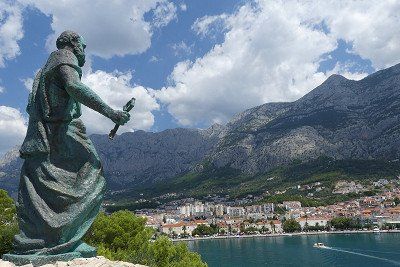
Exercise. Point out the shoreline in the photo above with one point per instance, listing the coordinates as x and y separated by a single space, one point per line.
285 234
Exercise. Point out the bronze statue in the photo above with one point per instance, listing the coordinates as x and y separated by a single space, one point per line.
62 184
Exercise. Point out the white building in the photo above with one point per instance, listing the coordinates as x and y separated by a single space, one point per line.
219 210
291 205
268 208
313 221
195 209
235 211
181 227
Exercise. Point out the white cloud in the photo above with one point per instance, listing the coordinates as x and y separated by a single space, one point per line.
28 82
272 52
115 89
367 25
10 31
12 128
154 59
182 49
266 56
371 26
2 89
163 14
207 26
344 70
110 28
183 7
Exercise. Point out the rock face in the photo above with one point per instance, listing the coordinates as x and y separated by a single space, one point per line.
142 157
137 158
10 167
82 262
341 118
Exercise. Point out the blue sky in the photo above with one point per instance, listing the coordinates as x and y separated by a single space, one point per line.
192 63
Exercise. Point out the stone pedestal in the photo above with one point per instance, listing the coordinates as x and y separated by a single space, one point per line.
80 262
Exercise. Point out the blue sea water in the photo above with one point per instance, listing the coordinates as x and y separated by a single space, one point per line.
344 250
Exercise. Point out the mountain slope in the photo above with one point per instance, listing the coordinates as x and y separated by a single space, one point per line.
340 119
133 159
138 158
10 166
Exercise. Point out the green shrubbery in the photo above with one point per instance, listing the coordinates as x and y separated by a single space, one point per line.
344 223
204 230
228 181
291 225
123 236
8 222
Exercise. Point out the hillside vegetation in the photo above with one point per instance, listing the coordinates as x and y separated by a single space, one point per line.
228 181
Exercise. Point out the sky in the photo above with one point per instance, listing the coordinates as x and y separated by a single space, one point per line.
192 63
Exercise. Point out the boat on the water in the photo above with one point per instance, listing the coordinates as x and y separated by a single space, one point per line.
319 245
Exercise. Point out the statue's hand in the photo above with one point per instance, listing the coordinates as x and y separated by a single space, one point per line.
120 117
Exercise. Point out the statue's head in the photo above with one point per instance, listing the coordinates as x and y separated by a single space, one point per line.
74 42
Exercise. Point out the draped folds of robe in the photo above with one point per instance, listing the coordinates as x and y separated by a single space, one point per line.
61 184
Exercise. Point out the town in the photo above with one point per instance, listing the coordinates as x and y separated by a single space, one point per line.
191 218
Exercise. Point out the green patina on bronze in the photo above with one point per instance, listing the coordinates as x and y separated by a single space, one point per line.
62 184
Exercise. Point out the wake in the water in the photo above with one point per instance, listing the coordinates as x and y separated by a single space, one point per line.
362 254
374 251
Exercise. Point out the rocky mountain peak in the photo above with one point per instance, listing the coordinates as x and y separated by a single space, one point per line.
10 156
215 130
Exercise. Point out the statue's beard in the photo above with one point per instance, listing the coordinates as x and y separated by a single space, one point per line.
80 55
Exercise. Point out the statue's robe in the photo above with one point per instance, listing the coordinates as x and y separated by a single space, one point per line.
61 184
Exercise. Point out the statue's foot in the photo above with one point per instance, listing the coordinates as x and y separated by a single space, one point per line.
85 250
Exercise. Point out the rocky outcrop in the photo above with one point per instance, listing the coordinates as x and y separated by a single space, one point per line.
139 158
81 262
10 166
341 118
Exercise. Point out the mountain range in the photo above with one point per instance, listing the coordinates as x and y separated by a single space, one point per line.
341 119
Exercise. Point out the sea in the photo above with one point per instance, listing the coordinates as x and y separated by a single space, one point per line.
362 249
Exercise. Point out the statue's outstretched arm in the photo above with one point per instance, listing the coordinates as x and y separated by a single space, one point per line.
83 94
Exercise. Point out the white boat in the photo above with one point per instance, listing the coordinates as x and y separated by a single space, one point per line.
376 230
319 245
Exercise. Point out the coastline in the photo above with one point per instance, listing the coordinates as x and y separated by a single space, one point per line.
285 234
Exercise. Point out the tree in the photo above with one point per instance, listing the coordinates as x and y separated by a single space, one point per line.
164 253
124 236
8 222
204 230
214 228
271 223
396 201
250 230
184 229
342 223
242 227
263 229
291 225
306 224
